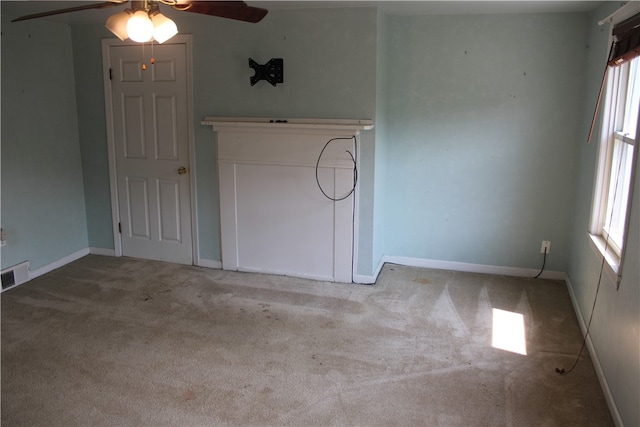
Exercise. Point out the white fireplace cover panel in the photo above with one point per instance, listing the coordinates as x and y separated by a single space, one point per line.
284 225
274 219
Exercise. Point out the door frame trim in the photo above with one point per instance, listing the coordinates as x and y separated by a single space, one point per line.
186 40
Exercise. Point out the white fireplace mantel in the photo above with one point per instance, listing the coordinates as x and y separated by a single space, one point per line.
298 125
273 215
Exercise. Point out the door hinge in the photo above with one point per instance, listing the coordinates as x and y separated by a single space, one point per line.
120 227
110 73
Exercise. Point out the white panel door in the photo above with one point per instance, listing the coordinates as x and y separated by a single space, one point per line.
152 152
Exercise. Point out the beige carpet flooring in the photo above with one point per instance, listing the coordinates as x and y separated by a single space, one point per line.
117 341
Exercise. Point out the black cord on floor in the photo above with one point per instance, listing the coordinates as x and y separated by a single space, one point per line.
544 260
562 371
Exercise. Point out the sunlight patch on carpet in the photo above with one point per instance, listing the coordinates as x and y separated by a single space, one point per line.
508 331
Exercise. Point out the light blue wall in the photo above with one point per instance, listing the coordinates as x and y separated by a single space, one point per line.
484 114
370 158
366 156
467 149
329 64
329 72
615 328
92 130
380 167
42 189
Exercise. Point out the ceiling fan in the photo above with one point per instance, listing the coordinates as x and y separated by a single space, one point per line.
143 22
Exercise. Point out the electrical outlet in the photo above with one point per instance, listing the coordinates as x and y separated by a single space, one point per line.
546 246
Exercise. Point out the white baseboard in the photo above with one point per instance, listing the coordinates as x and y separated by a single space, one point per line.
287 274
363 279
615 414
32 274
209 263
59 263
102 251
473 268
456 266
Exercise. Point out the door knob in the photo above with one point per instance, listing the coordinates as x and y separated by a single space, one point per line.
182 170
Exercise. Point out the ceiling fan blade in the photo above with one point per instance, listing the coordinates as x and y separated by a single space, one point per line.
70 9
238 10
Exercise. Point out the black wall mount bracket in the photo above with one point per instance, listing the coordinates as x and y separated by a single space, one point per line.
272 71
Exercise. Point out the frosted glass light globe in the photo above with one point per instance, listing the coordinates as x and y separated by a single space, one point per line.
117 24
164 28
140 27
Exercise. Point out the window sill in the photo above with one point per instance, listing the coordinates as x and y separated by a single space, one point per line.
612 264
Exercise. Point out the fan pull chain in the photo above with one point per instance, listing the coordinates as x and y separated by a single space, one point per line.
152 60
144 66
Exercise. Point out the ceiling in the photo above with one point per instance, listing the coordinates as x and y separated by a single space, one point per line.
16 8
450 7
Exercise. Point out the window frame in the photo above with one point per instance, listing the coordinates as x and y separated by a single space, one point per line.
614 100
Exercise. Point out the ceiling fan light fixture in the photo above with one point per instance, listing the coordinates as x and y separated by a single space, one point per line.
139 27
163 28
117 24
